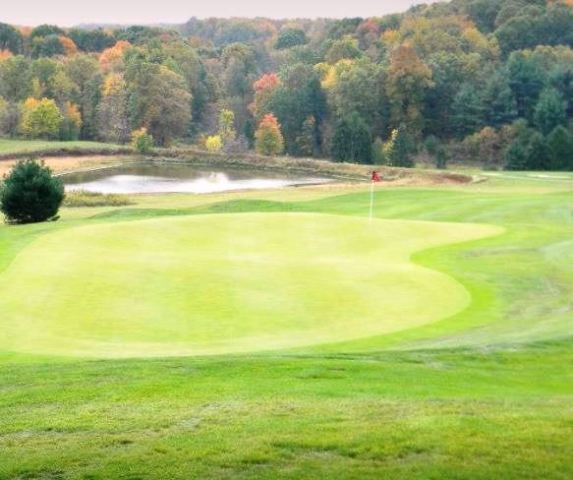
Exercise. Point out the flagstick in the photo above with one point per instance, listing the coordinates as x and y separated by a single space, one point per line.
371 202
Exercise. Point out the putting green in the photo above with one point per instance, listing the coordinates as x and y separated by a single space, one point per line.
224 283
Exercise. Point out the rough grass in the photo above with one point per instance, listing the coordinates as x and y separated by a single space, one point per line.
15 148
82 198
486 393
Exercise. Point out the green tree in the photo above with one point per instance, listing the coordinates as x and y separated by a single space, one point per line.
290 37
49 46
526 80
550 111
298 97
352 140
9 118
95 40
500 106
142 141
402 149
10 39
306 141
30 193
560 144
518 152
227 131
538 154
15 78
344 49
441 157
159 101
86 91
467 111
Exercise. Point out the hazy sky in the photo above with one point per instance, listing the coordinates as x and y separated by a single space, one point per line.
71 12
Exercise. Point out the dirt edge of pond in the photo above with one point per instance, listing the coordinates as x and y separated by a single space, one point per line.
66 161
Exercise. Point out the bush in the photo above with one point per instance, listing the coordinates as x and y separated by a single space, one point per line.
141 141
30 193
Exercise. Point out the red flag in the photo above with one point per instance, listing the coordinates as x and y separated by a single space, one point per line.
376 177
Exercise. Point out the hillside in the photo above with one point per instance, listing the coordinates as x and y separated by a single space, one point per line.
485 82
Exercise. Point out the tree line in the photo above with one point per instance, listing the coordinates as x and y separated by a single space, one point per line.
486 82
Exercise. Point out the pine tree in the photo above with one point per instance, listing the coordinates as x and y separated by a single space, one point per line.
352 140
467 110
306 141
560 143
550 111
499 101
538 157
401 153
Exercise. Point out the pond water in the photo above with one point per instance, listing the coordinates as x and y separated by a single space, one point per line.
161 178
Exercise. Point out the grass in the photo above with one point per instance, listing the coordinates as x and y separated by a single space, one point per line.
305 278
485 392
83 198
19 146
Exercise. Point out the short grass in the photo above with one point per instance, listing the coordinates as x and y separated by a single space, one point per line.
225 283
485 392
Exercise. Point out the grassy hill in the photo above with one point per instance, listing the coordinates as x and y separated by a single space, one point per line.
464 375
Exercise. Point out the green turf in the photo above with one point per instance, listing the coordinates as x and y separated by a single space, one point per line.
225 283
483 393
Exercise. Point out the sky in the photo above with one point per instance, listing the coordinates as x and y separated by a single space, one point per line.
73 12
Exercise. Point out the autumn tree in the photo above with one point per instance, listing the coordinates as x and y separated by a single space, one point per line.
112 110
264 88
71 124
214 143
268 137
41 119
408 81
159 101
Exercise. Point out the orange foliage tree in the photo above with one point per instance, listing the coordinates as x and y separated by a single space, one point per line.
264 88
268 137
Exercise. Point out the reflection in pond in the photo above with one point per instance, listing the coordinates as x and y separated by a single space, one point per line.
159 178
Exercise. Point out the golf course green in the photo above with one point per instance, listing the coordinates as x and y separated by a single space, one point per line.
225 283
284 335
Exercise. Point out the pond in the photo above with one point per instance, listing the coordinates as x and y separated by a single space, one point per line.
161 178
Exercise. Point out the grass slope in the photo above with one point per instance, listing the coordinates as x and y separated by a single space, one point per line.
486 393
18 146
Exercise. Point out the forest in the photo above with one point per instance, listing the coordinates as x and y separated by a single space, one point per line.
484 83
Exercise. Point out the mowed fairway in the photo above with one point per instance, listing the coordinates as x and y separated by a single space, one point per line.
281 335
225 283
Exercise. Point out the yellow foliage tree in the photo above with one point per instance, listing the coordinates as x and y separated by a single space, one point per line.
214 143
41 118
